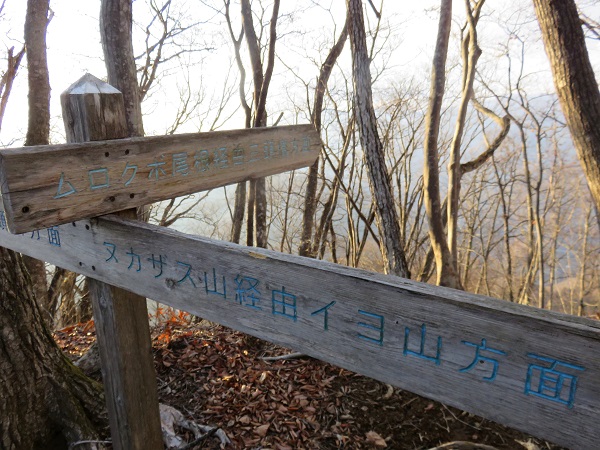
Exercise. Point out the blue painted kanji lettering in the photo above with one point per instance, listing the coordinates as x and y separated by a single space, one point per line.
53 236
284 304
302 146
254 153
246 291
135 260
306 144
187 275
98 178
130 167
215 289
369 326
283 148
555 382
421 353
112 248
60 193
237 155
270 150
35 233
325 311
221 158
2 221
481 359
180 164
156 170
158 264
202 161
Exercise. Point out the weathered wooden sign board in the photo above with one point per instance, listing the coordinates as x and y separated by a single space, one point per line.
48 185
530 369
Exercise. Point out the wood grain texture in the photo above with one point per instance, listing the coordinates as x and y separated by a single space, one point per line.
374 323
121 320
48 185
93 109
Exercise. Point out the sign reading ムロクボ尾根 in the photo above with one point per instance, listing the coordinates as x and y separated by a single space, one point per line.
48 185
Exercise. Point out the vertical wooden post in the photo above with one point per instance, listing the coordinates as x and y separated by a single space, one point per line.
94 110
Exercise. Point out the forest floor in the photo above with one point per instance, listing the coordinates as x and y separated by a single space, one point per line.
216 377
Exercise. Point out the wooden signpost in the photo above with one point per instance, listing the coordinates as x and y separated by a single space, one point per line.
94 110
533 370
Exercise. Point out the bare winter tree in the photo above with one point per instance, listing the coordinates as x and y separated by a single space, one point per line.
575 83
239 210
447 271
116 33
310 205
45 401
8 76
391 242
38 126
262 79
255 115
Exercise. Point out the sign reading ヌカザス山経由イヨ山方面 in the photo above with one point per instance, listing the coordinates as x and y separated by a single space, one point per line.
530 369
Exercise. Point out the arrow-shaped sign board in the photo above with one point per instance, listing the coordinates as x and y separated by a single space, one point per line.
530 369
44 186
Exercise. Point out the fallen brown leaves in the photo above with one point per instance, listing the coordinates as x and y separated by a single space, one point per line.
215 376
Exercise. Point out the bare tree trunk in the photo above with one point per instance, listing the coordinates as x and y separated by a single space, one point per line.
575 82
44 398
260 208
239 207
239 210
13 62
38 126
44 401
115 30
470 56
391 242
250 232
507 231
447 274
310 203
581 310
261 89
36 23
116 23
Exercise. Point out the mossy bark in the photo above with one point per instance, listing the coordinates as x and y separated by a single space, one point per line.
44 398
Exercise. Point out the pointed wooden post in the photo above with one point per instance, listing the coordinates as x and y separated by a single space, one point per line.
94 110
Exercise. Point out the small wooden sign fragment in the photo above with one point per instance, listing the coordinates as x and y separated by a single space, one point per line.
43 186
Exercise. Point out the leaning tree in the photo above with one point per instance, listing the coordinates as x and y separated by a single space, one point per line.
575 83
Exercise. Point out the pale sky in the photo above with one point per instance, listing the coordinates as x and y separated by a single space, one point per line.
74 48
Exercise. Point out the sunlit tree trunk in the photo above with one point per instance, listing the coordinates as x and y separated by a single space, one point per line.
470 56
583 262
38 125
446 271
575 82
